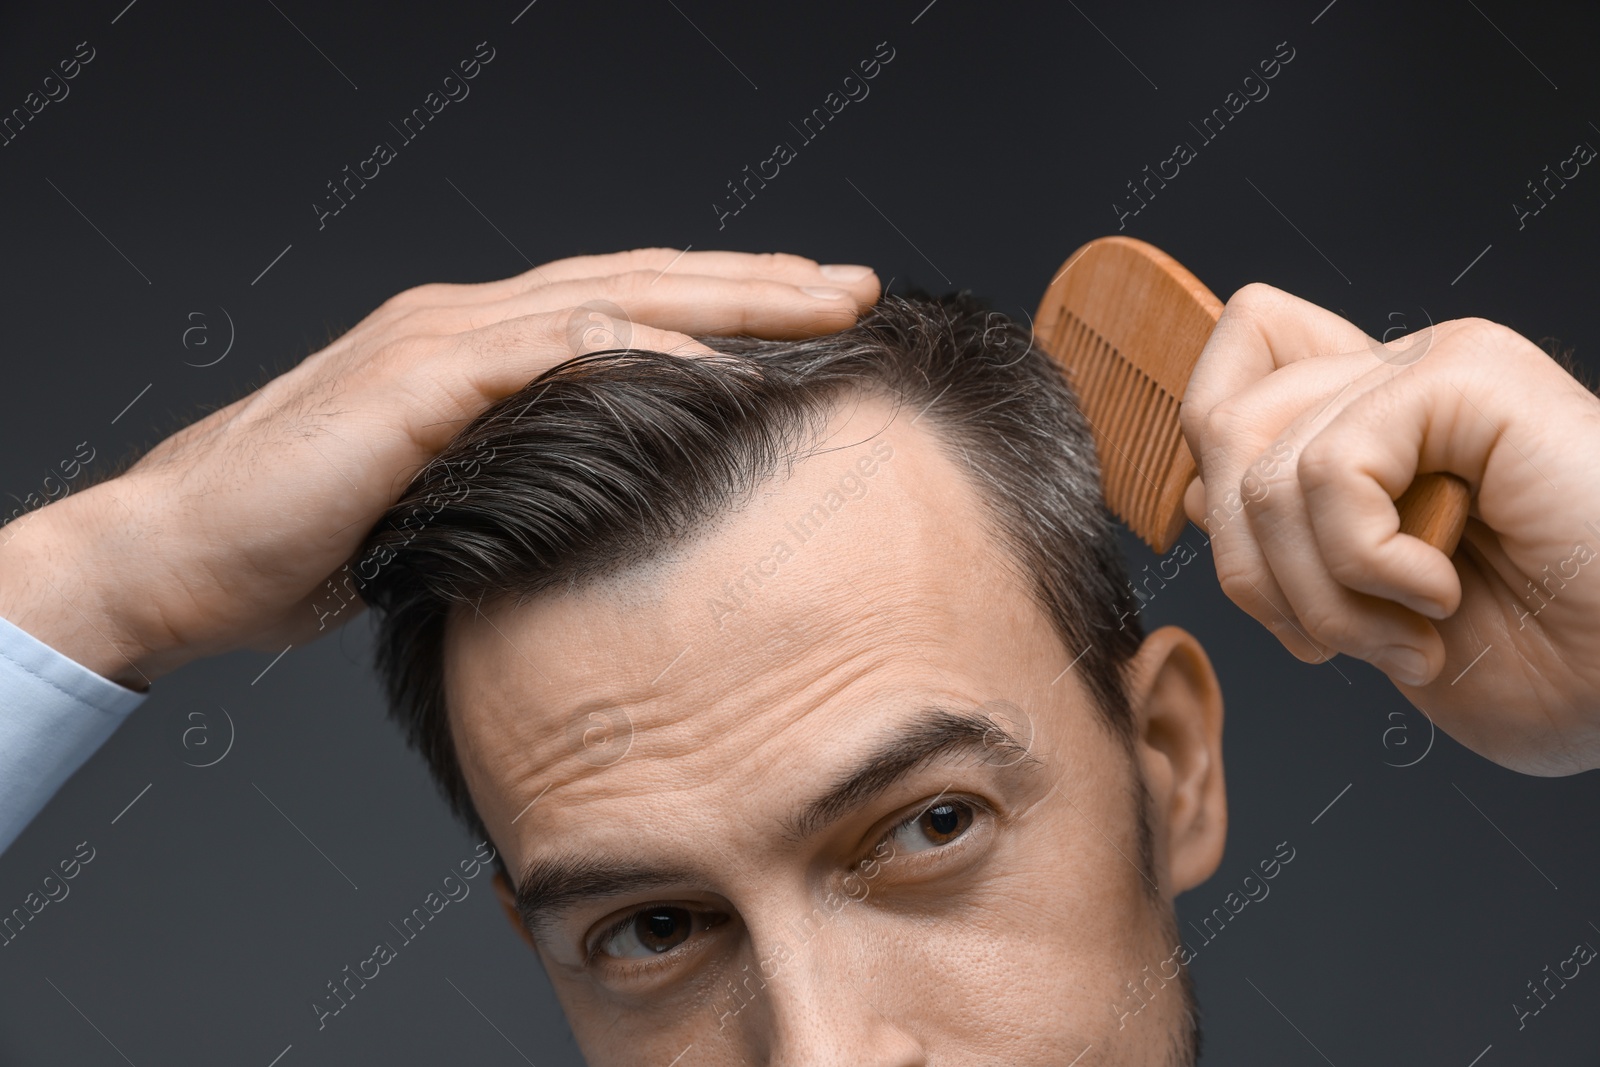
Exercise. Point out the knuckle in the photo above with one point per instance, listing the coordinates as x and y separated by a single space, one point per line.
1264 509
406 351
1485 340
1191 422
1325 622
1228 421
1240 588
1255 296
1319 465
418 296
565 265
1288 634
503 338
778 262
651 259
664 341
1347 568
598 325
399 303
1475 326
432 293
628 283
1275 467
425 319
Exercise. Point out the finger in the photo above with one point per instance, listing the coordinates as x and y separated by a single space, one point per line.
1243 570
456 377
1251 449
1354 470
1261 330
602 333
1399 642
1238 434
771 266
1257 592
684 303
504 357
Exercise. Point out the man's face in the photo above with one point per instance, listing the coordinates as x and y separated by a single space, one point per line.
821 787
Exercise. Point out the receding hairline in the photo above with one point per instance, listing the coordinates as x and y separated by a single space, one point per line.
1004 405
645 582
650 570
999 559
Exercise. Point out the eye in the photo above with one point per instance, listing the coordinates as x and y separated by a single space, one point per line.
653 931
933 827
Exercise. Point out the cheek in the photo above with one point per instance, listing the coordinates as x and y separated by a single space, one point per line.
1028 963
1020 976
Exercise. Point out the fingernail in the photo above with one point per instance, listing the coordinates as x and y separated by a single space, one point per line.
1431 609
845 272
822 292
1404 665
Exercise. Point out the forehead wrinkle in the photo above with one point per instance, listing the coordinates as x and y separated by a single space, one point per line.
741 694
825 654
807 647
708 749
546 886
675 752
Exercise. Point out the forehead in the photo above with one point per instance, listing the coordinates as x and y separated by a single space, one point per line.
864 581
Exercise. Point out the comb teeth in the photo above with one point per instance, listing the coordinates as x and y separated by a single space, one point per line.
1133 419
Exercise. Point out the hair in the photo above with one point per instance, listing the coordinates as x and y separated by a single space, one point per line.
611 458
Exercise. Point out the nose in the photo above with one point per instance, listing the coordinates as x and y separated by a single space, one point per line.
823 1008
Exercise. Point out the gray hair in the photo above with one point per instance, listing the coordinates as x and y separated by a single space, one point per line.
611 458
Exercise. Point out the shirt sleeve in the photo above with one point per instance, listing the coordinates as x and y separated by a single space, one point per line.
54 714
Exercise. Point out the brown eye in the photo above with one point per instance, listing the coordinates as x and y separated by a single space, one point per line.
655 930
662 928
936 826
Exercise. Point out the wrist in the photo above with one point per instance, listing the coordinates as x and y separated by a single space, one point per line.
61 580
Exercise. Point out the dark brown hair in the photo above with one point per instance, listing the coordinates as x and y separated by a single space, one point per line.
609 458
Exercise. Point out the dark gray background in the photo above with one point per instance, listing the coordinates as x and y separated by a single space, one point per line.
187 157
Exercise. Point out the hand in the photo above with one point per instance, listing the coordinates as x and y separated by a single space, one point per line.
222 535
1305 430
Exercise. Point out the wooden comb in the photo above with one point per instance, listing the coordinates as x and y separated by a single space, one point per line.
1128 323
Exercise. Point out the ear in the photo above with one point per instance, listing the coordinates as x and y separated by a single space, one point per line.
1177 712
508 903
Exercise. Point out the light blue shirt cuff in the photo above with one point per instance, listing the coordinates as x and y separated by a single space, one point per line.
54 714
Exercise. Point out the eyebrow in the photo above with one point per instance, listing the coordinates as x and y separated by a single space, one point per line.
549 886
